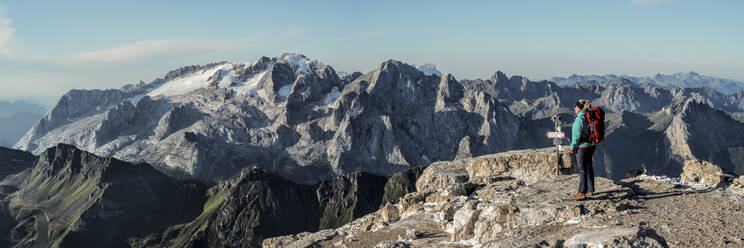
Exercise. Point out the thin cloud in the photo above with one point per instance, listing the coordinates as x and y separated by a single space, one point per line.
294 33
360 35
7 32
647 2
129 52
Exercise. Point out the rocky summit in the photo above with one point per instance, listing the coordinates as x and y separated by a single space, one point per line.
523 199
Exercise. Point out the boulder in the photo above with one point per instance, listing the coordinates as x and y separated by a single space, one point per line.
493 219
367 225
447 211
738 182
439 175
527 165
414 198
302 240
615 237
464 221
389 213
411 234
458 189
392 244
283 241
704 172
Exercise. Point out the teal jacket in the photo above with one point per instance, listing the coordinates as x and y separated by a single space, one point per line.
580 129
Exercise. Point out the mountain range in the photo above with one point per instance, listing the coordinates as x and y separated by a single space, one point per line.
295 116
288 114
676 80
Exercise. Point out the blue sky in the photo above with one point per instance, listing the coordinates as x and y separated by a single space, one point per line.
49 47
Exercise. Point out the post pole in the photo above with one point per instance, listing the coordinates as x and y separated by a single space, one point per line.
558 145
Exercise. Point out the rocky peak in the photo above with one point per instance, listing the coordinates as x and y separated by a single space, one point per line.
351 77
84 198
65 160
253 174
390 73
429 69
499 77
304 65
277 82
449 89
696 105
394 84
699 131
61 156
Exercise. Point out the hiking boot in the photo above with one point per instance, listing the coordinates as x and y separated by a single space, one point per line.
579 196
589 193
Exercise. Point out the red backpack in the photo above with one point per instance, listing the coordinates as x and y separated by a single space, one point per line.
596 119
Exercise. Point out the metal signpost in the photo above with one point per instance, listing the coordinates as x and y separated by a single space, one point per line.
557 137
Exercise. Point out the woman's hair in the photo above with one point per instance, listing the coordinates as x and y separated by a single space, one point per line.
583 104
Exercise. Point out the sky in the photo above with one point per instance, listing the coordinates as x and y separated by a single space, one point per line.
50 47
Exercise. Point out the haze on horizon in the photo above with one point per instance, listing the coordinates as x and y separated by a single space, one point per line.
49 48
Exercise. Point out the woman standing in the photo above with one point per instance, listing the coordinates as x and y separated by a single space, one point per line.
583 149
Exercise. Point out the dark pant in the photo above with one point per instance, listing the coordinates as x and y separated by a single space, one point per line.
586 170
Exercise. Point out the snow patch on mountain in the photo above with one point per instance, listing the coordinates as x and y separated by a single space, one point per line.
135 99
342 74
228 79
249 86
284 91
186 84
332 96
201 79
299 61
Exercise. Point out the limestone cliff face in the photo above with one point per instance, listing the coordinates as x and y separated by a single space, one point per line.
676 138
349 197
397 118
701 132
260 204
